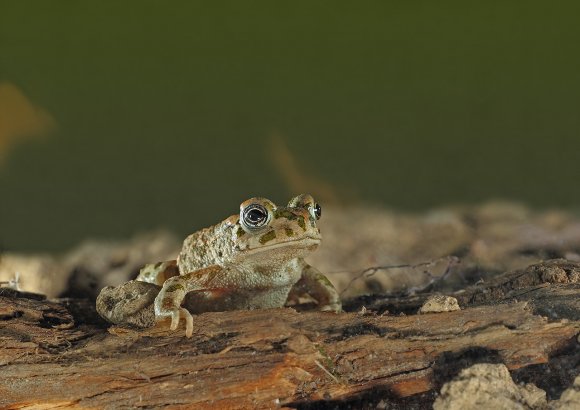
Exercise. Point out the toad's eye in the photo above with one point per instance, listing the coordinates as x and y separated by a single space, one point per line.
255 216
316 211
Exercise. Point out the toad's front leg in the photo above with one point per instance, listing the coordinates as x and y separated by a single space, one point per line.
315 284
168 301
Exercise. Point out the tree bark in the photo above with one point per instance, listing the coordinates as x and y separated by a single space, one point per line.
58 354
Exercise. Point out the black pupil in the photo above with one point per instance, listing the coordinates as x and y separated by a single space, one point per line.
255 215
317 211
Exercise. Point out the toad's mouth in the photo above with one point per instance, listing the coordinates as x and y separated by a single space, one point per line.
304 242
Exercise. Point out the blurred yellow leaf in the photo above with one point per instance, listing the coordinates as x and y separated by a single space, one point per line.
296 178
20 118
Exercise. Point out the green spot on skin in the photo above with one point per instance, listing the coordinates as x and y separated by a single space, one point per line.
267 237
240 232
301 223
325 281
175 287
284 213
289 232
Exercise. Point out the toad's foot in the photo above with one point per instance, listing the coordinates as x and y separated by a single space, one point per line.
168 301
332 307
177 315
315 284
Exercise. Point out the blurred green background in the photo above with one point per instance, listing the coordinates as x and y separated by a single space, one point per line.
166 111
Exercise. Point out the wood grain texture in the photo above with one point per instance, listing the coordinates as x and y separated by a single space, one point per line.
52 356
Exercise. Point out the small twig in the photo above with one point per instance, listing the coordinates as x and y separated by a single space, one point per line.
451 262
368 272
332 376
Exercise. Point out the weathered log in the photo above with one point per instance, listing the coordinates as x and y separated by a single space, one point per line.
262 359
552 288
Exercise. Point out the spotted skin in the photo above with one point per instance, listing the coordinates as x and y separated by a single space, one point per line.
158 273
239 264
